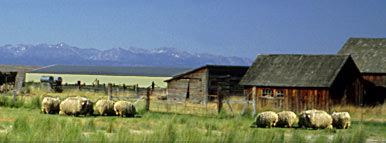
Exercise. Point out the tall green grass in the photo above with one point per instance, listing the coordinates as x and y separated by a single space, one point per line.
33 102
32 126
24 122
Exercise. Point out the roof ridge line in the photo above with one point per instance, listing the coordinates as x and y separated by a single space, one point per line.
340 68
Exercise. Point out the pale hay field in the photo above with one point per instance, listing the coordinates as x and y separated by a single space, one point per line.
142 81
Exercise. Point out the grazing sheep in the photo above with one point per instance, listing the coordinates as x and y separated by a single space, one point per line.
105 107
315 119
50 105
76 106
286 119
265 119
124 108
341 120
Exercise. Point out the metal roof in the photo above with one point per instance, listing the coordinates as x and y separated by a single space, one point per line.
110 70
369 54
294 70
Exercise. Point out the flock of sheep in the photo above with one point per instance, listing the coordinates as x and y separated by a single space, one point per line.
82 106
315 119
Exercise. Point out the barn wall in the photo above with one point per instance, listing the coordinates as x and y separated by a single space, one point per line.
295 99
348 86
377 79
228 79
178 88
375 87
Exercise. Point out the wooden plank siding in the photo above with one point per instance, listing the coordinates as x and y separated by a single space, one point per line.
178 88
204 82
379 80
375 87
226 78
295 99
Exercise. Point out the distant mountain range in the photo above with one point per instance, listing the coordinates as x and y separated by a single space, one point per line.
63 54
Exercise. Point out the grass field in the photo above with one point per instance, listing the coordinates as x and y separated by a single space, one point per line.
142 81
22 121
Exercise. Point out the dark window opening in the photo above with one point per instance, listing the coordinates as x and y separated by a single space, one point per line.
267 92
279 93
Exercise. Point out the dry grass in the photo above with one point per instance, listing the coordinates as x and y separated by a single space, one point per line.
376 113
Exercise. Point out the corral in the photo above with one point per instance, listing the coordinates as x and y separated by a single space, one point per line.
369 55
301 82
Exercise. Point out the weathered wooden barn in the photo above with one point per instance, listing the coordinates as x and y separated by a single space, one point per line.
369 55
300 82
200 84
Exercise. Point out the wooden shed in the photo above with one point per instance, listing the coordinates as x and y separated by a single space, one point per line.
301 82
12 77
200 84
369 55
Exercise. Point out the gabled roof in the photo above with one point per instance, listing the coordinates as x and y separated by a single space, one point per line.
203 67
369 54
108 70
294 70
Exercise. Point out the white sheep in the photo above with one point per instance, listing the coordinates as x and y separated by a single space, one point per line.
286 119
105 107
266 119
50 105
76 106
124 108
315 119
341 120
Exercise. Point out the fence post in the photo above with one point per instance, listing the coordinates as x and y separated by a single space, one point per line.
152 87
246 103
148 99
219 97
79 86
104 88
254 96
136 90
110 88
14 95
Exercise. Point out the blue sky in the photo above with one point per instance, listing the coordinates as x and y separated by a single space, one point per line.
232 28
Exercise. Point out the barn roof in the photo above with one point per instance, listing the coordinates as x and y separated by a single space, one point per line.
294 70
369 54
109 70
205 66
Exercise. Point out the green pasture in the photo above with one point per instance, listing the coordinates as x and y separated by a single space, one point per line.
142 81
23 121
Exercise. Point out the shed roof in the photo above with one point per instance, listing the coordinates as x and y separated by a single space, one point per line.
109 70
369 54
294 70
202 67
